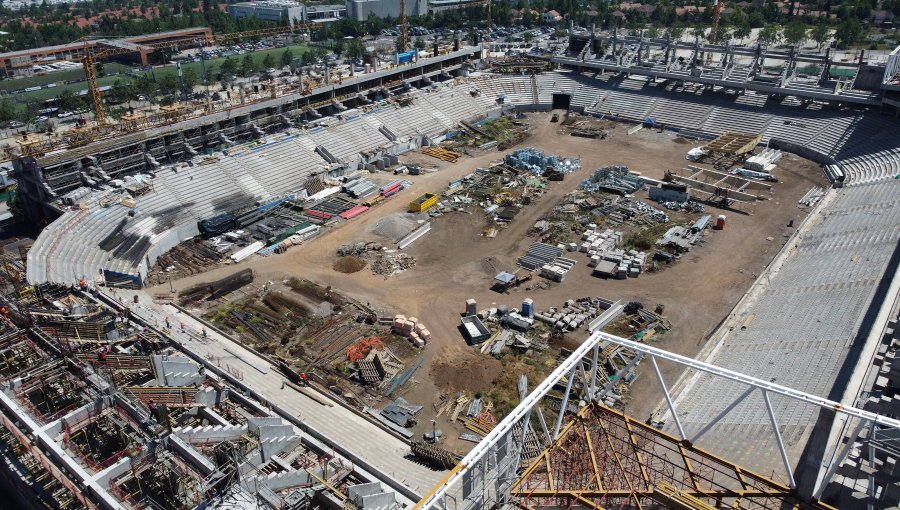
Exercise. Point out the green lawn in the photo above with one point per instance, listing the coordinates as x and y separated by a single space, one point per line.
213 65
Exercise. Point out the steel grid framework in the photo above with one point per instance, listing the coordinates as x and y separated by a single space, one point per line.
490 473
605 459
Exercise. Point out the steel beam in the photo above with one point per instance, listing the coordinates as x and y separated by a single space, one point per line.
564 403
665 390
770 387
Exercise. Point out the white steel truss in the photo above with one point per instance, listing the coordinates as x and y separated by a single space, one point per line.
484 476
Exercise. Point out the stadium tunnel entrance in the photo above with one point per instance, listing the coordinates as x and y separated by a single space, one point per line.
561 101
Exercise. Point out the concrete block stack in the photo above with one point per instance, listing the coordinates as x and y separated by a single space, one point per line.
574 314
602 247
412 329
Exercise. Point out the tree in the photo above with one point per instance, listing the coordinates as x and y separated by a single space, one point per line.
248 66
699 32
848 32
795 32
528 37
820 34
399 44
269 61
355 48
169 84
147 88
338 47
287 56
229 68
419 44
723 33
189 78
770 34
8 111
121 91
742 29
528 18
68 101
653 32
676 31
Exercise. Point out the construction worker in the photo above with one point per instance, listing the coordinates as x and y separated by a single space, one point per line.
168 324
304 379
203 331
181 325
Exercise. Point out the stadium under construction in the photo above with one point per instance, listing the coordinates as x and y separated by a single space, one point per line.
105 404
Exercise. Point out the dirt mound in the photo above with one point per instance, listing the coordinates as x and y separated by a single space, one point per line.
349 264
681 141
466 370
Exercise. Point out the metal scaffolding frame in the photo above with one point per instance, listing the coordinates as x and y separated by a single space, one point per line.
487 475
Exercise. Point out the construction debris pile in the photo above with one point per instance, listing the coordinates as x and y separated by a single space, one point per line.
535 161
585 126
616 179
502 133
389 262
632 211
382 262
474 412
500 192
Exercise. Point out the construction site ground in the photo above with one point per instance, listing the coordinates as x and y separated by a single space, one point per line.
455 262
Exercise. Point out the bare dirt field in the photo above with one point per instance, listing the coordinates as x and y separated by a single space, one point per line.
455 262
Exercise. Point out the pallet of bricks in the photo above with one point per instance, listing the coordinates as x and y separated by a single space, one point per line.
412 329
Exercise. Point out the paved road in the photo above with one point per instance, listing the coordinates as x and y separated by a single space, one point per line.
359 436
